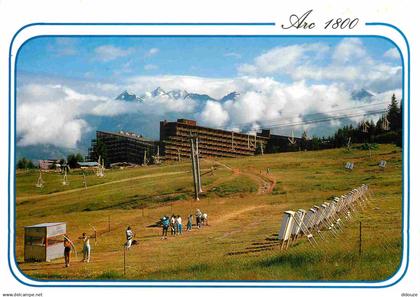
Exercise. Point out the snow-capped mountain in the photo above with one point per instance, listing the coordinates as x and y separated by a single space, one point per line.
126 96
362 94
231 96
178 94
157 92
173 94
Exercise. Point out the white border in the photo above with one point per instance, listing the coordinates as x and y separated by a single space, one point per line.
37 30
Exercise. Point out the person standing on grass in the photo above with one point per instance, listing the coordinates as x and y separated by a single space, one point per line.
129 236
165 226
189 224
179 224
173 225
204 219
198 218
86 247
68 245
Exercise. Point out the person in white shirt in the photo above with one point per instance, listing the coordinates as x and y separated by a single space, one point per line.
179 224
86 247
198 218
129 235
173 225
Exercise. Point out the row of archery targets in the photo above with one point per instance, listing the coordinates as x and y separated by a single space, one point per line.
99 171
320 221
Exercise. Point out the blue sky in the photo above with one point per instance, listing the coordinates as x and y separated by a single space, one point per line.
65 84
75 57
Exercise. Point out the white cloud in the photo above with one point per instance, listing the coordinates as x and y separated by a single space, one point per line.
107 53
392 53
322 79
348 62
282 59
53 114
233 55
214 115
349 49
56 114
261 100
151 52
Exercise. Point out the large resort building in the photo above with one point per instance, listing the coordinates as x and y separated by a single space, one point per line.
175 144
175 141
122 148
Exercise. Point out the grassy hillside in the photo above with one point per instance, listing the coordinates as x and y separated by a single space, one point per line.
245 202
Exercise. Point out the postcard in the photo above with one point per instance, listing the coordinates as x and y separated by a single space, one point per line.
208 146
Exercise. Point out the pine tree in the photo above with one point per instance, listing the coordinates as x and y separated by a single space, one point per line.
24 163
394 115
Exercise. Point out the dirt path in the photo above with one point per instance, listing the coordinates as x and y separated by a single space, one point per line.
266 182
100 185
234 214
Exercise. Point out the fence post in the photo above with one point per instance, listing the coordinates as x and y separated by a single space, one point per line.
124 260
109 223
360 238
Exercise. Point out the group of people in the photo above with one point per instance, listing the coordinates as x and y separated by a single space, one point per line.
174 223
69 245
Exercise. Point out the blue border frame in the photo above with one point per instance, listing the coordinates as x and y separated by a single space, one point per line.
209 281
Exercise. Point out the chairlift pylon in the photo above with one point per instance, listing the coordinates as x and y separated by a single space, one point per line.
101 167
385 124
65 181
365 127
40 181
292 139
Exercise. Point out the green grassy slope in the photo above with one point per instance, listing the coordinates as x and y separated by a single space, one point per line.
244 217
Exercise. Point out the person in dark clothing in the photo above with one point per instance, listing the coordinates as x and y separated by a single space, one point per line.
165 227
68 245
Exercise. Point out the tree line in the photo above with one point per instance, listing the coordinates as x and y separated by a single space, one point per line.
387 129
71 161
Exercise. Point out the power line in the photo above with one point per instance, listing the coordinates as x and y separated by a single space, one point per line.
331 111
326 119
282 123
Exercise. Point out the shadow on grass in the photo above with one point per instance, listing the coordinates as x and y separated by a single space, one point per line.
291 260
111 274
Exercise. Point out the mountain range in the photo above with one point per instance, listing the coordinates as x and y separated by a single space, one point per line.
148 125
173 94
362 94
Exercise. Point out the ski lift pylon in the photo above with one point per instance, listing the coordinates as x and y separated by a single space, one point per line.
292 139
